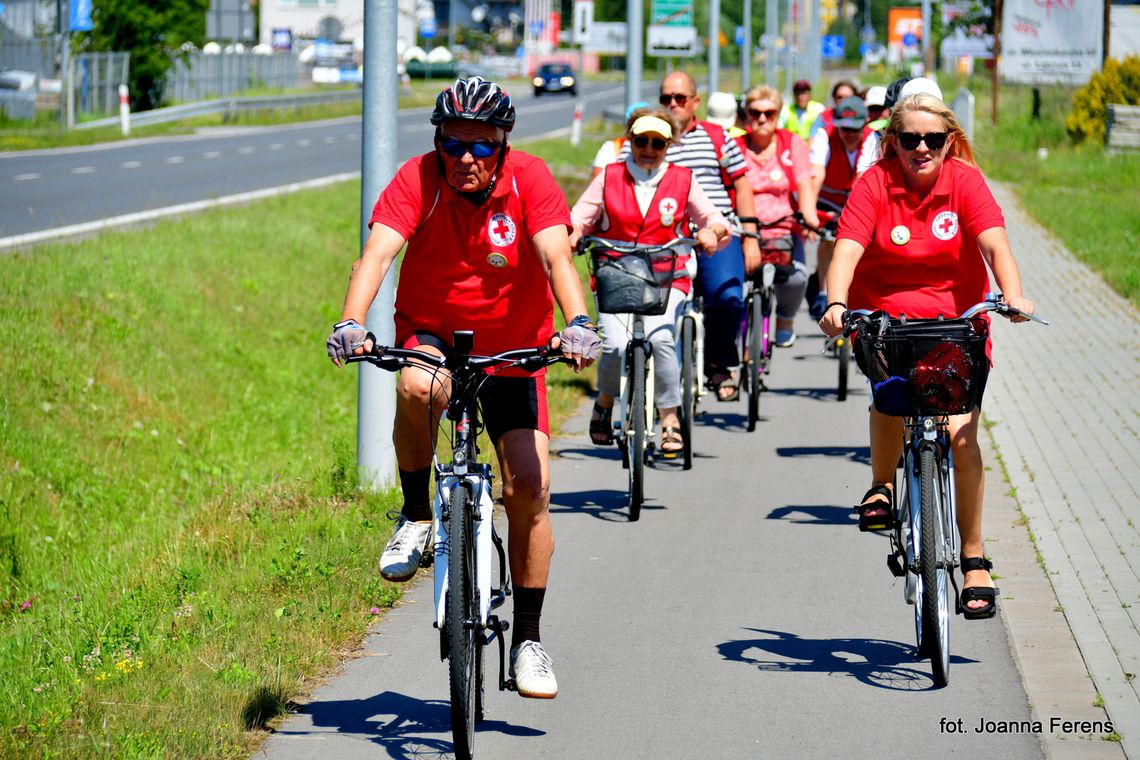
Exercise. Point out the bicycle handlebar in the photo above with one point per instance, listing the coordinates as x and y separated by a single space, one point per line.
826 231
588 242
391 358
854 318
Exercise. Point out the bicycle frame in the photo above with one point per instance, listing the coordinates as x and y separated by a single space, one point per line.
622 430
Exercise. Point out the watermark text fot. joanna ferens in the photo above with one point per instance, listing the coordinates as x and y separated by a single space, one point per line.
1053 725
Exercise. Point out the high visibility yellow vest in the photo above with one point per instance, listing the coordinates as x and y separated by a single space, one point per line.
801 125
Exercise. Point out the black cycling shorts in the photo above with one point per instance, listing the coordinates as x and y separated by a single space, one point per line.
506 403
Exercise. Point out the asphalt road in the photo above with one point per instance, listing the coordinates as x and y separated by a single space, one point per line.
744 616
44 190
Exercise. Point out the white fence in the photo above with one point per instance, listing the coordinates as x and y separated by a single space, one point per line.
201 76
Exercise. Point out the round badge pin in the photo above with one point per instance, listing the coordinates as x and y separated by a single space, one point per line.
900 235
666 220
496 260
775 175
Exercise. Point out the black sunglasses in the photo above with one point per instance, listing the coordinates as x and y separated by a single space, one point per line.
755 113
933 140
453 146
667 99
641 141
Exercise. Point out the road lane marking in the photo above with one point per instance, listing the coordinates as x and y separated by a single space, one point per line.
212 154
141 217
305 142
83 170
130 164
245 151
26 177
329 140
175 160
277 146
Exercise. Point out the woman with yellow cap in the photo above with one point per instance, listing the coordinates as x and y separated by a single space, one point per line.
648 201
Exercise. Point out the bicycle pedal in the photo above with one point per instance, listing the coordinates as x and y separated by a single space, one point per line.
426 559
895 566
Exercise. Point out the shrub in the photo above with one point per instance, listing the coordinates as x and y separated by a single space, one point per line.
1119 82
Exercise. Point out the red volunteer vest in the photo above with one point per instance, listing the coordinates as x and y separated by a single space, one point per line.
784 154
840 177
667 218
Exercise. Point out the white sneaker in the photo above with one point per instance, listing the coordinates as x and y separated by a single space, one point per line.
401 557
531 669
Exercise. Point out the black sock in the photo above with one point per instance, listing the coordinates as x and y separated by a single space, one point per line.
414 484
528 610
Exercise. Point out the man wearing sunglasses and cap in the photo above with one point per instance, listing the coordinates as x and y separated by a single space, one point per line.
488 249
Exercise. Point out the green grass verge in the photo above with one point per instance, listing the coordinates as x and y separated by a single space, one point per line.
183 548
1085 197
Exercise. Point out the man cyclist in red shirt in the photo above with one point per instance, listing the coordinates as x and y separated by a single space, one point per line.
486 230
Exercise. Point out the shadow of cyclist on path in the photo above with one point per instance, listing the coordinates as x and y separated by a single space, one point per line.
857 454
875 662
606 504
404 726
815 514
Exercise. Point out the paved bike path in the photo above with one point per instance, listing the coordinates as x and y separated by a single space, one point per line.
743 616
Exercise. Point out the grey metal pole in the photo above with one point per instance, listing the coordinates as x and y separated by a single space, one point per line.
815 42
635 50
771 33
714 46
451 25
927 43
790 42
61 12
746 48
376 408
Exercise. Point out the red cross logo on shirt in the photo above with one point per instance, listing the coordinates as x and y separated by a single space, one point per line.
501 230
945 225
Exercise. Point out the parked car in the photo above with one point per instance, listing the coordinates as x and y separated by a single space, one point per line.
555 77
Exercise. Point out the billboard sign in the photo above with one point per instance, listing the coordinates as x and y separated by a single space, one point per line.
1050 41
904 31
671 13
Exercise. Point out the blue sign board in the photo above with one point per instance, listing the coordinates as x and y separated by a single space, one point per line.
832 48
80 20
910 39
428 28
739 35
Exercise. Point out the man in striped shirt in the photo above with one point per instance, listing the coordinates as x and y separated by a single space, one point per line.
720 277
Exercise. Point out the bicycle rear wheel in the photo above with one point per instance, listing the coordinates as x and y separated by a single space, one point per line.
637 424
935 576
755 365
688 387
843 351
464 659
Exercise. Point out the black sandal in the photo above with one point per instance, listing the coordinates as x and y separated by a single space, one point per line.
721 380
601 426
671 435
871 522
977 593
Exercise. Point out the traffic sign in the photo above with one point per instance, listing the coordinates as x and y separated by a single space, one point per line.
832 47
671 13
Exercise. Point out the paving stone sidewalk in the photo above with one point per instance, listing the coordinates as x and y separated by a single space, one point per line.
1065 421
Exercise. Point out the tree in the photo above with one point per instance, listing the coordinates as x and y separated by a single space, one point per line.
153 32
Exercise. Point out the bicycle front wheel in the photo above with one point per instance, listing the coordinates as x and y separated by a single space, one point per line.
756 360
637 425
688 387
844 354
935 576
464 662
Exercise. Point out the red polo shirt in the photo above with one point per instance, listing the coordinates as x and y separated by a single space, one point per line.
474 267
921 256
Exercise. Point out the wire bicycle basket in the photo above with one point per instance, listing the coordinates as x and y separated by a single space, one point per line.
926 367
631 281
